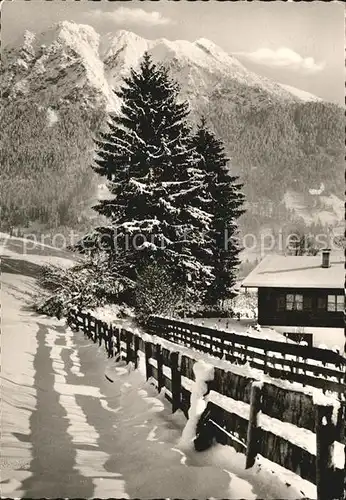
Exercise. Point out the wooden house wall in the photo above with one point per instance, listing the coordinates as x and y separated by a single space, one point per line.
268 313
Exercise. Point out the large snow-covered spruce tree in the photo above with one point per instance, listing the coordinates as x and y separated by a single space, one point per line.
154 176
226 207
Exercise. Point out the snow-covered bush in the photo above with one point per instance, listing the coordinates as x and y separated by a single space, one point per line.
90 283
244 305
157 293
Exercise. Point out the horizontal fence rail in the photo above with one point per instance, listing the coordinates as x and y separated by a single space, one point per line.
285 426
320 368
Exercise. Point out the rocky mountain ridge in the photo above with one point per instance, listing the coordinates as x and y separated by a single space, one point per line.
69 57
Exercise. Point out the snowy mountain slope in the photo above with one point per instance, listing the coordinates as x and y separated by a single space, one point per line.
301 94
75 63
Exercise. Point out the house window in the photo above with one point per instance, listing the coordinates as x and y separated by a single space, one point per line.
294 302
336 303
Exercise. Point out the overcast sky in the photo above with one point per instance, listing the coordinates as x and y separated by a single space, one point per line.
300 44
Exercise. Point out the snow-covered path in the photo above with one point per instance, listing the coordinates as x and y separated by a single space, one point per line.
68 432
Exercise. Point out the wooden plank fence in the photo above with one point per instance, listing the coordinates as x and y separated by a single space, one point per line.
240 411
293 362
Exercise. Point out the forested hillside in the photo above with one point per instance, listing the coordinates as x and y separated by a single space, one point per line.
277 147
45 158
45 164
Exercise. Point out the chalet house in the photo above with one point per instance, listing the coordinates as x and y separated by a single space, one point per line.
302 296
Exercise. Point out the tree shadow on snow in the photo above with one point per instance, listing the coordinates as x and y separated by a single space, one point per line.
18 266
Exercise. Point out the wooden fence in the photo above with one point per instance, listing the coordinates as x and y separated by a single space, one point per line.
284 426
312 366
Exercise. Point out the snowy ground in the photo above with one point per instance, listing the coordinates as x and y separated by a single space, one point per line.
15 250
39 260
68 432
244 327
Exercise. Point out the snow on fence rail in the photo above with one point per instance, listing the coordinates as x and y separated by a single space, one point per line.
320 368
298 431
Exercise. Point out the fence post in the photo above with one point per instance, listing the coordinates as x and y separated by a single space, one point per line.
100 331
69 318
325 437
88 327
232 349
129 338
148 351
96 331
265 366
77 320
339 366
176 382
136 345
245 352
105 336
205 431
119 342
211 343
160 382
84 324
165 329
222 340
110 341
191 338
252 430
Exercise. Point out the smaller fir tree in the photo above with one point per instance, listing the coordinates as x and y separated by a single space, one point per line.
225 206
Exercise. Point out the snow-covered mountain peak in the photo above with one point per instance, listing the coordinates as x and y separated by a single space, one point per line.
163 49
122 50
71 34
218 53
24 47
64 59
205 42
28 37
110 42
27 52
125 49
210 47
127 36
200 56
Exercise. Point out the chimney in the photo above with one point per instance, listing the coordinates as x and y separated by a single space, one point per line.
326 257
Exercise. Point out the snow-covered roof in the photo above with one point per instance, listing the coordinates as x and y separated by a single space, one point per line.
297 272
